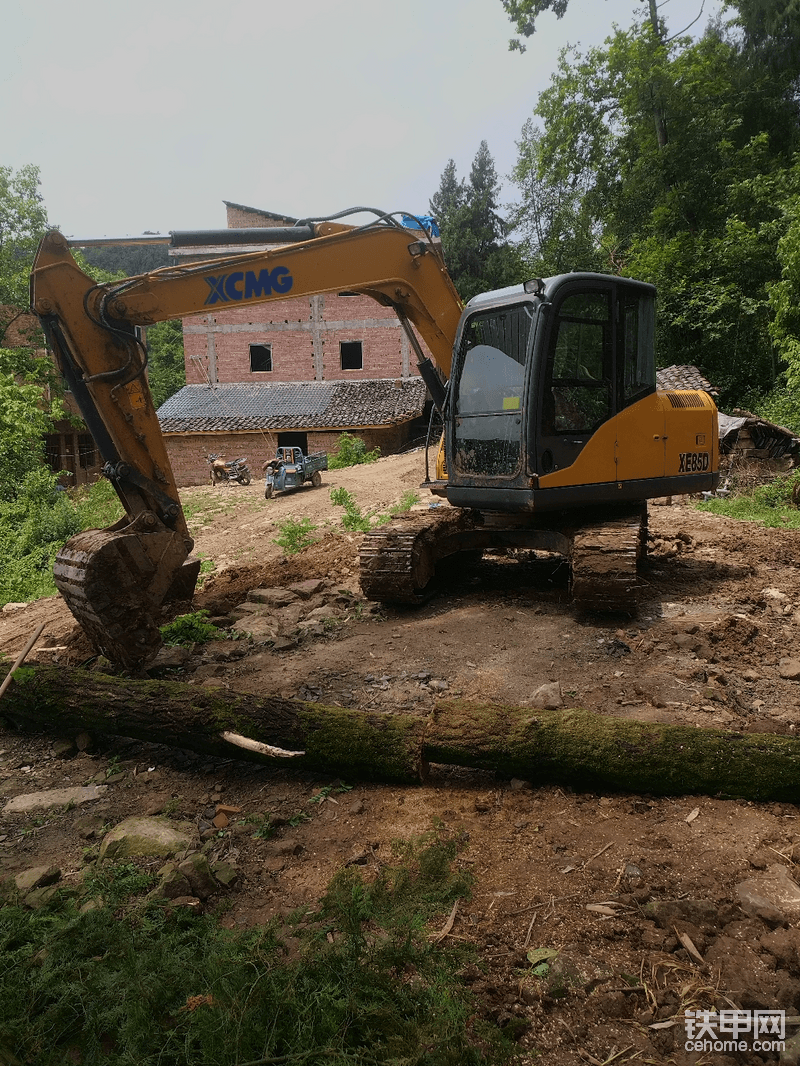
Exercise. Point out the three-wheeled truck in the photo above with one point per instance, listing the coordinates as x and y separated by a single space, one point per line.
290 469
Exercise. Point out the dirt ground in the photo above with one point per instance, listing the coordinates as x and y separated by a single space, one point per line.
615 884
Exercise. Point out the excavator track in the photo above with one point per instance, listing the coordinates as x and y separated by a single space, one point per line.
605 557
398 560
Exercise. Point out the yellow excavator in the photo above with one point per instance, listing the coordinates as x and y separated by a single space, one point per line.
555 434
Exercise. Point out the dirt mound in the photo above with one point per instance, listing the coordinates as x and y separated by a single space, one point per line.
333 555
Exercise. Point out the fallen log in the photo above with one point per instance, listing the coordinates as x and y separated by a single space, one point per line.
574 747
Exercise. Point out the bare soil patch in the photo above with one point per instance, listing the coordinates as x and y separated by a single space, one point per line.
710 646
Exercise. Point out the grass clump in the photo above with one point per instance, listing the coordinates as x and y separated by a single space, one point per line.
354 518
144 984
351 451
295 535
769 505
191 628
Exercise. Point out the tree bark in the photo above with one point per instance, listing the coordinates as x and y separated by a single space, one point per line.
574 747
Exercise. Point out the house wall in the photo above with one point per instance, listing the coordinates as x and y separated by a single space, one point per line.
187 451
304 333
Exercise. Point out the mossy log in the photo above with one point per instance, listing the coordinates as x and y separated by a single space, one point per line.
575 747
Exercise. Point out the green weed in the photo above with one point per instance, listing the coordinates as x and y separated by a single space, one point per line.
191 629
770 505
295 534
133 983
356 521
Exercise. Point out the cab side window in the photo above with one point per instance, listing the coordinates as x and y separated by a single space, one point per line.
578 389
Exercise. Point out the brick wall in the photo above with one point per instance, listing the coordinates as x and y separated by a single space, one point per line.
304 337
187 451
304 334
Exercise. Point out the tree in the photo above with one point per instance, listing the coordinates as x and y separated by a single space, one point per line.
166 367
670 160
23 222
475 242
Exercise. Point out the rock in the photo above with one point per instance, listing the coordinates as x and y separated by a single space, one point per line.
784 946
308 588
517 785
40 897
283 643
157 804
259 628
198 873
88 826
225 874
36 877
172 657
772 896
84 742
140 835
319 614
63 749
272 597
8 608
172 884
789 669
53 797
220 820
668 912
548 696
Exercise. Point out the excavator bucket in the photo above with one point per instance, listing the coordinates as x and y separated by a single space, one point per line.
115 580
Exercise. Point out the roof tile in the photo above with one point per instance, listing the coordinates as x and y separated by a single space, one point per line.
293 405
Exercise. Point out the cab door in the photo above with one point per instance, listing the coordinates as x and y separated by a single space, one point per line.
576 390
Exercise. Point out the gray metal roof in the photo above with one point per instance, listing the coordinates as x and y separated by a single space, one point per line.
293 405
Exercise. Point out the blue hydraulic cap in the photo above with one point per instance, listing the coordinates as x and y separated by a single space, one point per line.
426 222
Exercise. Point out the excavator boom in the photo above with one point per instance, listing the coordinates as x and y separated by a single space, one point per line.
115 580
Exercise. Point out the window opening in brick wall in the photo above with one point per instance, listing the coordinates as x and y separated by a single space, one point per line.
351 355
86 451
260 358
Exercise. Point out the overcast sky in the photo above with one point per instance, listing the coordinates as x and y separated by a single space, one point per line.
147 116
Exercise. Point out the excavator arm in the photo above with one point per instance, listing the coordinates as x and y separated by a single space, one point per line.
115 580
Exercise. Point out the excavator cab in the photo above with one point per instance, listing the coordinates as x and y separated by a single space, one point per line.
546 377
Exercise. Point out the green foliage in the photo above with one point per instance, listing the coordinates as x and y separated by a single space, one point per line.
191 628
671 160
36 522
295 534
781 406
116 883
478 255
131 983
769 505
23 222
351 451
166 368
25 416
356 521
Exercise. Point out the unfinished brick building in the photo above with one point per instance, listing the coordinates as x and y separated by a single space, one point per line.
244 366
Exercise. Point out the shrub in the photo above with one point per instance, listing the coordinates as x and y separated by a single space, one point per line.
351 451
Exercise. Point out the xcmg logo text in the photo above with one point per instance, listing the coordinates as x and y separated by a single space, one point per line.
248 285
